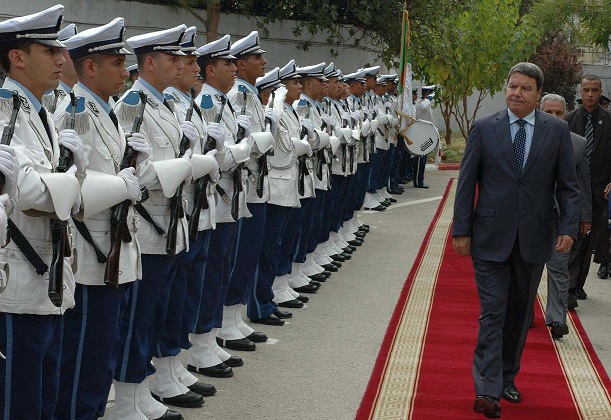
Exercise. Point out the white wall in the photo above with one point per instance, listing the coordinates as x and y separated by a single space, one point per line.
281 45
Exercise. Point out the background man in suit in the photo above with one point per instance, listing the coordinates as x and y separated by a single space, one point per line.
557 267
594 123
519 160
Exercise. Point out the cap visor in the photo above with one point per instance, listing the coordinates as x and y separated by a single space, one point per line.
116 51
50 42
180 53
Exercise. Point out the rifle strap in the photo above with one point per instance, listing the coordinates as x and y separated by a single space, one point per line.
146 216
82 229
26 248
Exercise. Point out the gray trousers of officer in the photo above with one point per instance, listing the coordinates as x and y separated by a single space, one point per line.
557 287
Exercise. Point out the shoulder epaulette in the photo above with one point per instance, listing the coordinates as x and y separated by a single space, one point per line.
206 102
242 88
132 98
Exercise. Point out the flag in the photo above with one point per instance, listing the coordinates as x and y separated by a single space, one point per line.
406 106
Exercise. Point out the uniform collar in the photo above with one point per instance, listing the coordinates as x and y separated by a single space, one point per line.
105 105
158 95
31 98
248 85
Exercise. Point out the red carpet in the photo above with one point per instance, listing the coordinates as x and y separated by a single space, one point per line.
423 370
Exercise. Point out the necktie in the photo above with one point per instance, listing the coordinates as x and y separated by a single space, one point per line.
167 104
43 117
519 144
113 117
197 111
589 135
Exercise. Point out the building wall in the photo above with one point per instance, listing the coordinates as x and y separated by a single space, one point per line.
281 45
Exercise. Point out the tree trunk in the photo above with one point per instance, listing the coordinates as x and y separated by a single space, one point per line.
212 20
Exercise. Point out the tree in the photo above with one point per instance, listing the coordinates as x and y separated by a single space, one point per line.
473 55
560 63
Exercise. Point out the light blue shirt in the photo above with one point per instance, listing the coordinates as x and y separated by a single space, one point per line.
105 105
529 127
160 97
248 86
31 98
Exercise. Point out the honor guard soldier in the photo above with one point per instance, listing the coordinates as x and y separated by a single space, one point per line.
32 305
188 266
266 87
162 233
395 149
90 328
235 334
283 198
232 137
304 138
52 98
381 136
423 112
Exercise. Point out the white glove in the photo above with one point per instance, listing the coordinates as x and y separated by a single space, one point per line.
356 115
330 122
71 141
215 174
4 199
307 124
138 142
244 122
131 181
188 154
218 133
9 166
76 207
346 119
366 114
190 132
273 117
388 106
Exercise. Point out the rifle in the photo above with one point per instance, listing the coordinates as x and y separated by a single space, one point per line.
303 167
59 228
237 173
263 172
200 201
9 130
55 98
176 209
119 231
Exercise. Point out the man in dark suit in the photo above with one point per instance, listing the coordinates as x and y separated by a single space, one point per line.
598 147
518 160
558 266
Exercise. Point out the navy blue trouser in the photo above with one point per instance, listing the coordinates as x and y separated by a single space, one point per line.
141 328
30 374
362 173
216 277
248 248
340 197
351 197
383 168
326 222
283 257
310 242
372 181
188 272
90 329
395 158
260 302
419 166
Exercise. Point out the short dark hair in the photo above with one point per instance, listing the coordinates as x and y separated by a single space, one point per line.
205 62
592 78
5 62
528 69
79 62
141 58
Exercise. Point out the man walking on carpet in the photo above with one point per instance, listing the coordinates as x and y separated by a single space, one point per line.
519 159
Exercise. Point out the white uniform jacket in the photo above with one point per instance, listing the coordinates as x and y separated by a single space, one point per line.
253 109
104 146
26 291
381 134
209 100
182 102
307 106
342 152
162 130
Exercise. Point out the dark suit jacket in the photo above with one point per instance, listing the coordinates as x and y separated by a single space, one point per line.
509 206
600 167
583 177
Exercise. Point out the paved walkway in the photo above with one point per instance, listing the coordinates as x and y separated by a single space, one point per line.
320 362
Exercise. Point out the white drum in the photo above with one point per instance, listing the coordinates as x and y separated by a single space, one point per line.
421 137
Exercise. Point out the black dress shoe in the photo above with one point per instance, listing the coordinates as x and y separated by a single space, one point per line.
282 314
379 207
330 267
318 277
218 371
170 415
352 247
241 344
234 361
315 283
366 226
302 298
295 303
188 400
581 294
359 234
392 200
363 229
257 337
205 390
326 273
269 320
347 251
511 394
571 300
308 288
336 263
421 186
558 329
338 257
346 256
603 272
489 406
395 192
355 242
